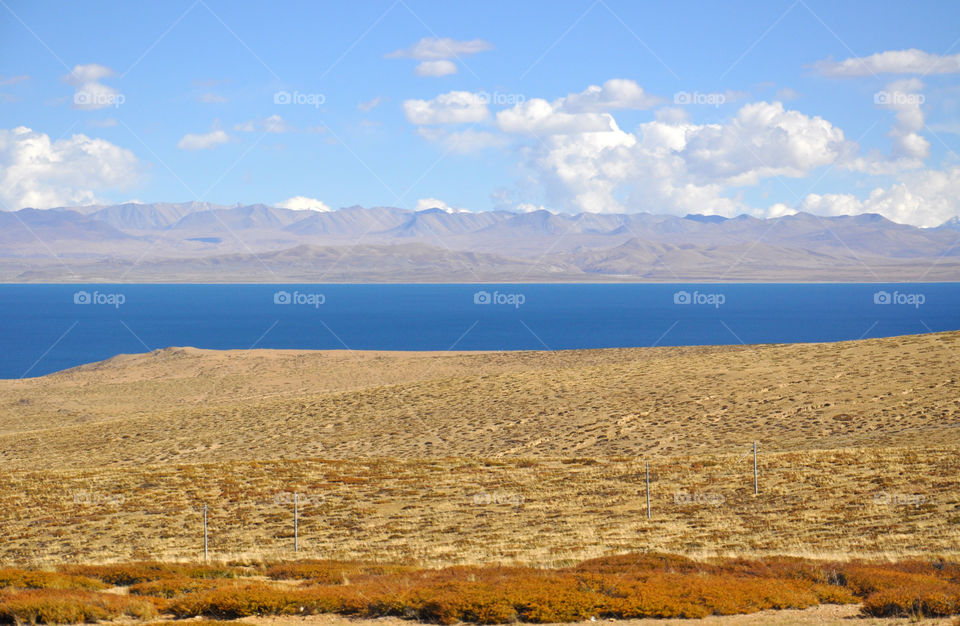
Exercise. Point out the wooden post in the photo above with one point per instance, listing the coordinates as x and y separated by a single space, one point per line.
296 522
206 553
756 485
648 489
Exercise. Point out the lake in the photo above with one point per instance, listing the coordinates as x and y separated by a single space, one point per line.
45 328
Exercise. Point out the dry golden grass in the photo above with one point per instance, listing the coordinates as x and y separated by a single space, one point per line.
191 406
481 458
836 503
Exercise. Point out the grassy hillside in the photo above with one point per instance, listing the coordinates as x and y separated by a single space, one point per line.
191 406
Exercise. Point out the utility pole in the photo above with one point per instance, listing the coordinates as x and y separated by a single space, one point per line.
296 522
206 553
648 489
756 485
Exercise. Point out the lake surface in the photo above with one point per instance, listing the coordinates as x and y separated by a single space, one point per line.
45 328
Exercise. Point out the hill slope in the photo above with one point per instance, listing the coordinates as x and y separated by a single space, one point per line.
191 406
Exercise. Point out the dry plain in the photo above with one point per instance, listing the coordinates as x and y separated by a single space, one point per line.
534 458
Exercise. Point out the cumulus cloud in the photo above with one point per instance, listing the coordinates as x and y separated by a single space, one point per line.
303 203
539 117
910 61
455 107
442 67
203 141
435 54
89 93
924 198
432 203
616 93
582 112
671 164
435 48
909 149
40 173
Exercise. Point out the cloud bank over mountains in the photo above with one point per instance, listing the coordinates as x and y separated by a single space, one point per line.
585 151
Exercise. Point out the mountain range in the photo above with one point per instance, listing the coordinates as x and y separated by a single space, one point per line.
203 242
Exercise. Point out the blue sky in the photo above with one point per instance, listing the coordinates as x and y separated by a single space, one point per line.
761 107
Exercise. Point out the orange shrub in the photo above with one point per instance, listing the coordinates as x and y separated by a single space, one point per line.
172 587
124 574
914 601
38 606
36 579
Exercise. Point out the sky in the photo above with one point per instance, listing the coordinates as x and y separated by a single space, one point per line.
764 108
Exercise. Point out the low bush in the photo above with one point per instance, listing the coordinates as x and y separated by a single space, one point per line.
173 587
37 579
124 574
44 606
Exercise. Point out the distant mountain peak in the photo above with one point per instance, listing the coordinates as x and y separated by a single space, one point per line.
953 223
706 219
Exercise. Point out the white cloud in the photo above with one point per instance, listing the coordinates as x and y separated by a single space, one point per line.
539 117
369 105
909 149
910 61
203 141
303 203
616 93
435 68
40 173
272 124
89 93
455 107
923 198
432 203
434 48
670 164
464 141
527 207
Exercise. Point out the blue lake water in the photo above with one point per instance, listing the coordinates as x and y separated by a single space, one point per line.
44 328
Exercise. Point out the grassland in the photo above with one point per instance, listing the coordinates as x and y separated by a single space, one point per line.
482 459
190 406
